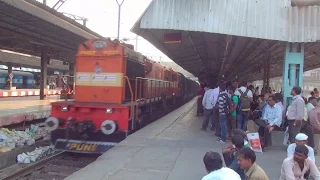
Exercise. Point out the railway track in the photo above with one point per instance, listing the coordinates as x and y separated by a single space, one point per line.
54 167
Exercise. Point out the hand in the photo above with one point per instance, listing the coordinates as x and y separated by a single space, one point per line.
271 129
296 122
229 149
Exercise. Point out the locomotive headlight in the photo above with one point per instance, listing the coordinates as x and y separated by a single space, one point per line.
64 108
108 127
109 110
52 123
99 44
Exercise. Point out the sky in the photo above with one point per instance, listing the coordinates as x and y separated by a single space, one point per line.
103 19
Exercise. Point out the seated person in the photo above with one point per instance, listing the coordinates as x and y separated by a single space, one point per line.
295 167
247 161
301 139
213 164
258 112
240 132
230 154
272 117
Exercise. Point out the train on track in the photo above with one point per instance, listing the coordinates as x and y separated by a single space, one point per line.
117 91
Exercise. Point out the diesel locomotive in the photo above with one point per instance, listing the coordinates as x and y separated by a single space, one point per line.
117 91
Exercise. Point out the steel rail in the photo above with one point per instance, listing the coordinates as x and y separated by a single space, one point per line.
31 167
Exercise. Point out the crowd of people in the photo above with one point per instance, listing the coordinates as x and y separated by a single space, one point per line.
229 107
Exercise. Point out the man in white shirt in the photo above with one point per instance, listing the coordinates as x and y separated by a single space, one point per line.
295 113
242 119
272 117
301 139
216 122
213 164
208 109
312 102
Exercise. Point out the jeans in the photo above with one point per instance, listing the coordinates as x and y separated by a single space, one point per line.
200 107
208 114
242 120
223 127
216 122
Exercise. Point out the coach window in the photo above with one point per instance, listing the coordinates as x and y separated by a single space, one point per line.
174 78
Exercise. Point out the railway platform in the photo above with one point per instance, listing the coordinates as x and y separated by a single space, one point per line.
171 148
27 92
14 110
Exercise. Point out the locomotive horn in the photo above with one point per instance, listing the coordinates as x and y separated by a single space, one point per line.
108 127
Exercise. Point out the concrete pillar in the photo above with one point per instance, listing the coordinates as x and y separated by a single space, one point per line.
43 73
292 70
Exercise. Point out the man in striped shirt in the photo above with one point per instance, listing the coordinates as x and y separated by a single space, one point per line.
223 105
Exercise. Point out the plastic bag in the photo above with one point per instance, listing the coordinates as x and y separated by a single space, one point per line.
286 137
255 142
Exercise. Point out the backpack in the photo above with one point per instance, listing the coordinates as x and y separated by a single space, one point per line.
245 100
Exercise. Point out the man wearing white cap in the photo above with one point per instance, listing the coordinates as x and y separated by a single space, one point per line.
301 139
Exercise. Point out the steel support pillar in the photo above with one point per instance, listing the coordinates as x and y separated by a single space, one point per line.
266 75
43 73
292 70
9 72
72 68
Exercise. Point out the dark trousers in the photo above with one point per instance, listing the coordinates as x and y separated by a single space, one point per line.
264 133
199 106
232 124
308 130
216 122
293 130
208 114
228 158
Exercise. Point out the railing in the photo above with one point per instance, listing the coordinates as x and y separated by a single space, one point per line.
132 104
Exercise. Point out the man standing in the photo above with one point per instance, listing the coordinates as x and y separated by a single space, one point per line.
223 105
295 167
295 113
314 117
271 117
312 103
232 122
246 160
246 98
208 109
214 101
301 139
199 102
213 164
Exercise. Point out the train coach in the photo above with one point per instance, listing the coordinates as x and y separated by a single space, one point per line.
117 91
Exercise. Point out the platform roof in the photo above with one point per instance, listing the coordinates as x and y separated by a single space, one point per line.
232 37
17 60
25 25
